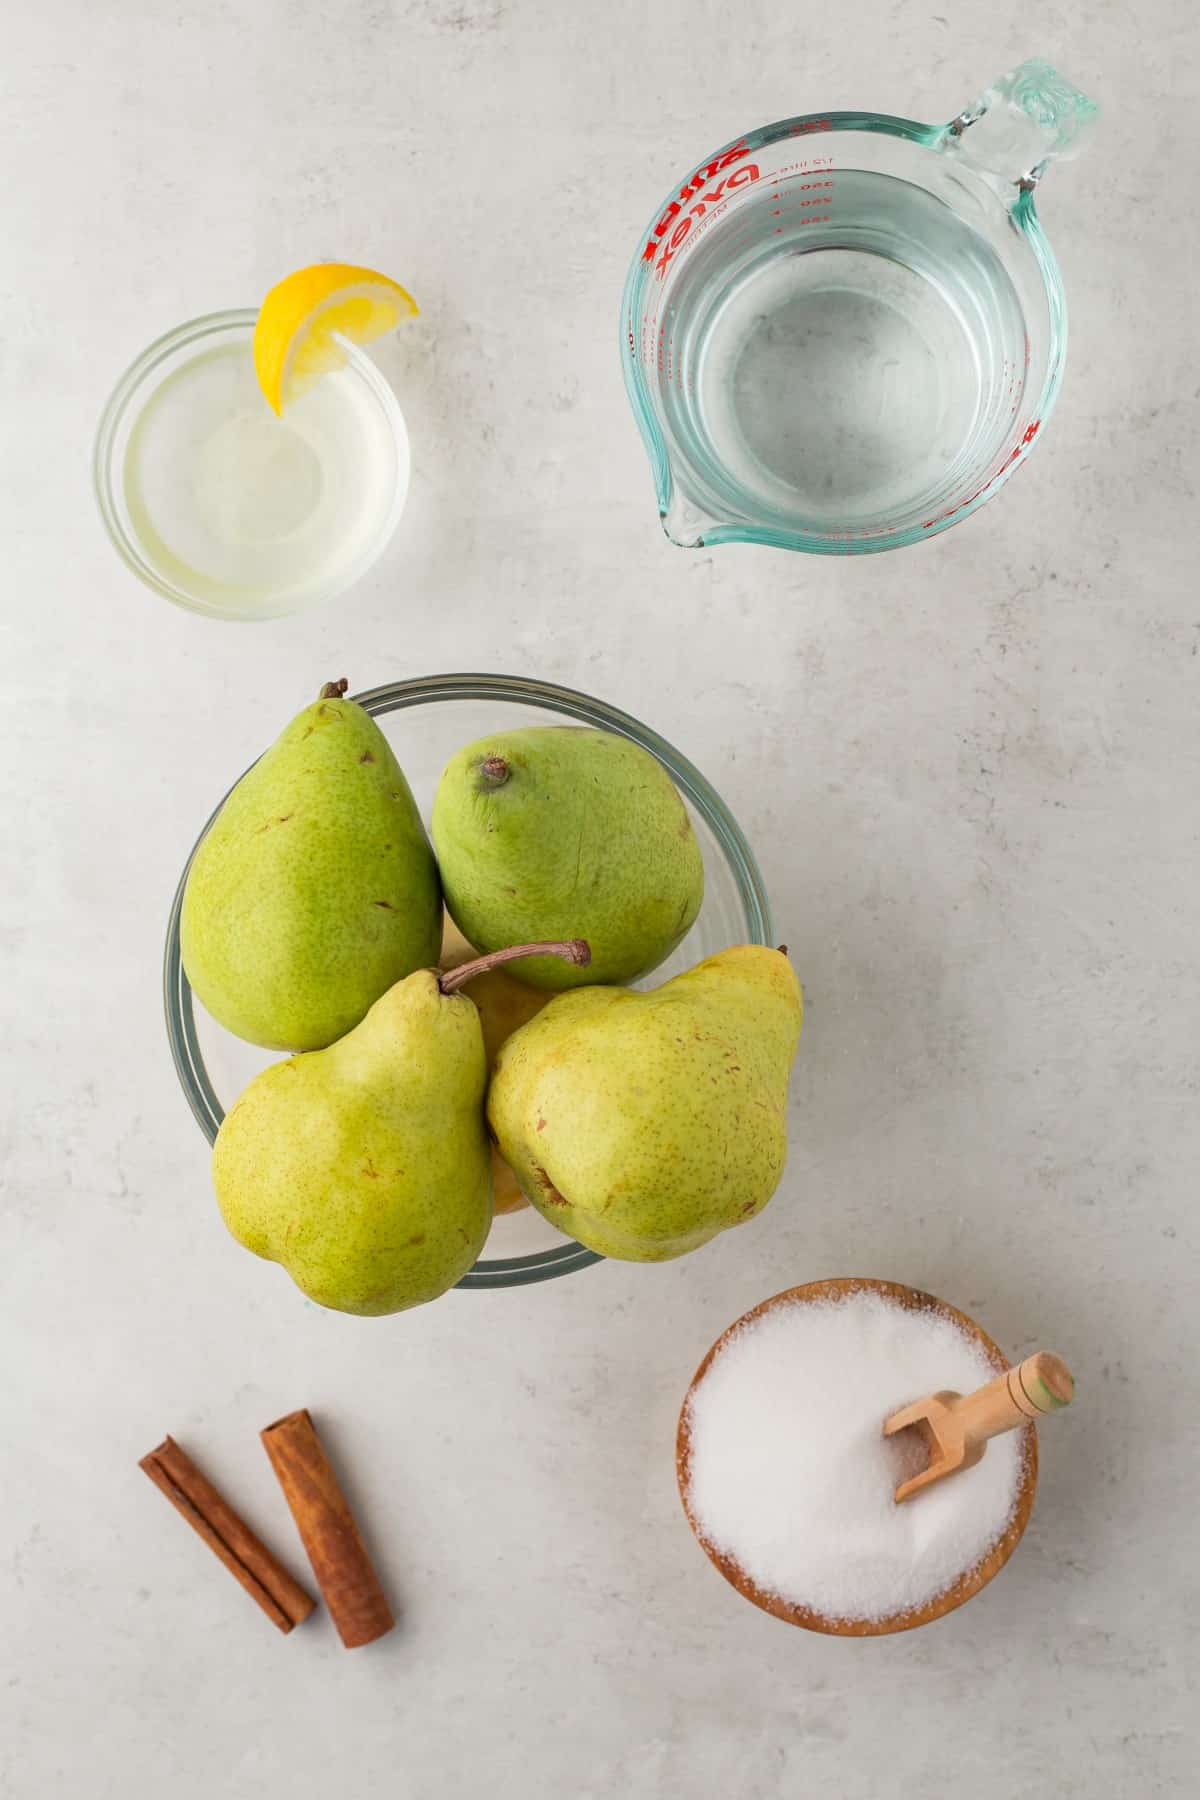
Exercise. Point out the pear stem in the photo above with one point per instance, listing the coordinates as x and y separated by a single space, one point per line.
572 950
333 690
493 771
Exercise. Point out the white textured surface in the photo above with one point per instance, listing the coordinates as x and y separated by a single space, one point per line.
970 771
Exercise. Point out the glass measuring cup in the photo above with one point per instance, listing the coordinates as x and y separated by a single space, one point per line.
843 332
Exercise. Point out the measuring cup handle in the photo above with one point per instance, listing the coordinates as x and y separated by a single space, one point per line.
1023 122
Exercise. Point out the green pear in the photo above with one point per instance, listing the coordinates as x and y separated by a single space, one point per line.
559 831
315 888
643 1124
364 1169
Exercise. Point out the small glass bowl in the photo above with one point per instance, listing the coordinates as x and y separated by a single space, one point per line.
432 719
133 395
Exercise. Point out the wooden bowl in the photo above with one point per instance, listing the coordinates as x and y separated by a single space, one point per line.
960 1591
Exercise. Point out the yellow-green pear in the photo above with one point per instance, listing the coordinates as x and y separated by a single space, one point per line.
643 1124
315 888
557 831
364 1168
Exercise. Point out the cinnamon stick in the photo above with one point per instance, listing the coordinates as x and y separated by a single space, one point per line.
339 1559
245 1556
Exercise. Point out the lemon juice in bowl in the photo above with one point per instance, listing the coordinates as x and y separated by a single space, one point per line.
252 464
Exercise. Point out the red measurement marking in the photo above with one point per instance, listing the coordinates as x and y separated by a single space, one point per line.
1027 438
806 165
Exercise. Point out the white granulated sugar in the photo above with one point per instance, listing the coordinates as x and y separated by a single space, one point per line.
790 1473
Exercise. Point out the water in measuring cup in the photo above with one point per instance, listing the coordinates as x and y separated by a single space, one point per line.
846 352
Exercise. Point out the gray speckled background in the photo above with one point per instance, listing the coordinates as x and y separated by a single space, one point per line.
970 772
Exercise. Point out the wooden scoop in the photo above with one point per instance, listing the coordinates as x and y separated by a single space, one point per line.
958 1426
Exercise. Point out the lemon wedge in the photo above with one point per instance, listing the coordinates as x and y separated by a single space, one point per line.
294 338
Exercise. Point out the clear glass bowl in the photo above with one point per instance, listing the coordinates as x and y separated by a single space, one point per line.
224 509
425 722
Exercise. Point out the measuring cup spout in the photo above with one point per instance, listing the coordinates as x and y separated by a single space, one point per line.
684 522
1018 126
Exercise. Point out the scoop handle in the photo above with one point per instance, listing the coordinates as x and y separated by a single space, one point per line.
1041 1384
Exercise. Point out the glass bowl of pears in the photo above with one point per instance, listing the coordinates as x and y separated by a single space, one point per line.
360 902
